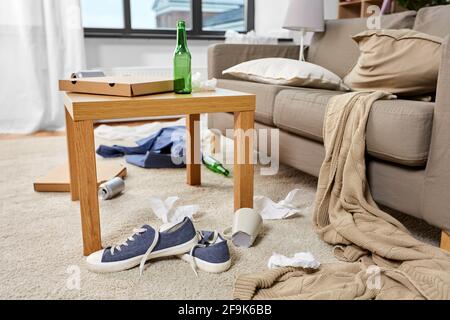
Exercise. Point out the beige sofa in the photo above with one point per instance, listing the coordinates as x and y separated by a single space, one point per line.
408 142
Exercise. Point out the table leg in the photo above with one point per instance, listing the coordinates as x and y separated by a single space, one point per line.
243 162
445 241
193 152
73 169
87 175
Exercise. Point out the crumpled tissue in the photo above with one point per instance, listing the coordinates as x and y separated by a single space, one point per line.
250 37
294 203
168 213
301 259
207 85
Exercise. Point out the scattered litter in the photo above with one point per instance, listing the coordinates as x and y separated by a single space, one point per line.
111 188
105 131
300 259
247 225
250 37
214 165
168 213
207 85
163 149
292 205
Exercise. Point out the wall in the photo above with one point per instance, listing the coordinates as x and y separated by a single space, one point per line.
267 22
108 53
331 9
152 53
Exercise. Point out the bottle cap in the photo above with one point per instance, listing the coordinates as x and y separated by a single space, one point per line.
181 24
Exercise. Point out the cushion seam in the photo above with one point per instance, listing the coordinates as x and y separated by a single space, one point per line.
423 155
300 130
398 39
287 79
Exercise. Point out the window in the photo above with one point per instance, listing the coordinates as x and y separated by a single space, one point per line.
159 14
223 15
97 15
207 19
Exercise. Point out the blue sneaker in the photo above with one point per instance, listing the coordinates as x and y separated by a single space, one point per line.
209 254
145 244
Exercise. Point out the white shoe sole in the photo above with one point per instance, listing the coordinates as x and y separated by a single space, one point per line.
207 266
94 260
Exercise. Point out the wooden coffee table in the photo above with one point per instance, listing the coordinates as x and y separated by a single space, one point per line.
83 109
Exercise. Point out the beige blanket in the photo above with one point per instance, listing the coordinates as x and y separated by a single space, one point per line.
383 261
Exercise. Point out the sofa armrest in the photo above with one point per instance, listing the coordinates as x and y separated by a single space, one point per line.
223 56
437 181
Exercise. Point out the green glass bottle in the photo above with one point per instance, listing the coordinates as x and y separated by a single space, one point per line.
182 62
215 166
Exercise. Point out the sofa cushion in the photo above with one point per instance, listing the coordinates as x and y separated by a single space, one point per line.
265 96
222 56
433 20
397 130
404 62
287 72
335 50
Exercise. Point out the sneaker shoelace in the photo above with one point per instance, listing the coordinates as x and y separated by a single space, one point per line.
149 250
202 244
136 232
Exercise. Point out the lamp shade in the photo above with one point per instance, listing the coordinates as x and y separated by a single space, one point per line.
306 15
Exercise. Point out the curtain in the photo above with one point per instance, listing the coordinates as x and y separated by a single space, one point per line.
41 41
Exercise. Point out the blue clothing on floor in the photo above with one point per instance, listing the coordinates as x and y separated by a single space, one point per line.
163 149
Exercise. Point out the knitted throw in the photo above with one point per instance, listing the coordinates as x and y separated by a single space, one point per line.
381 259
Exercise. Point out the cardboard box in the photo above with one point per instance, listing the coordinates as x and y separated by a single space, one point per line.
58 180
124 86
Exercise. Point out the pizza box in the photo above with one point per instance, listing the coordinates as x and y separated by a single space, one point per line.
124 86
58 179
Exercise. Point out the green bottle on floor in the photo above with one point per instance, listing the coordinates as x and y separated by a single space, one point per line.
182 62
215 166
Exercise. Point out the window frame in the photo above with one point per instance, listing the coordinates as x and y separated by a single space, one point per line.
196 32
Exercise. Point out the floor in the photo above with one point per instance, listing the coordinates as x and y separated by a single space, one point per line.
38 134
40 236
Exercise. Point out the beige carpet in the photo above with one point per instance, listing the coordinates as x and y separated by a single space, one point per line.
40 237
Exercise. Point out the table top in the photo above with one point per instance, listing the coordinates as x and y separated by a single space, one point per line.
101 107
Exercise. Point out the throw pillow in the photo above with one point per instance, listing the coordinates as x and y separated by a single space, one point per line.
289 72
404 62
